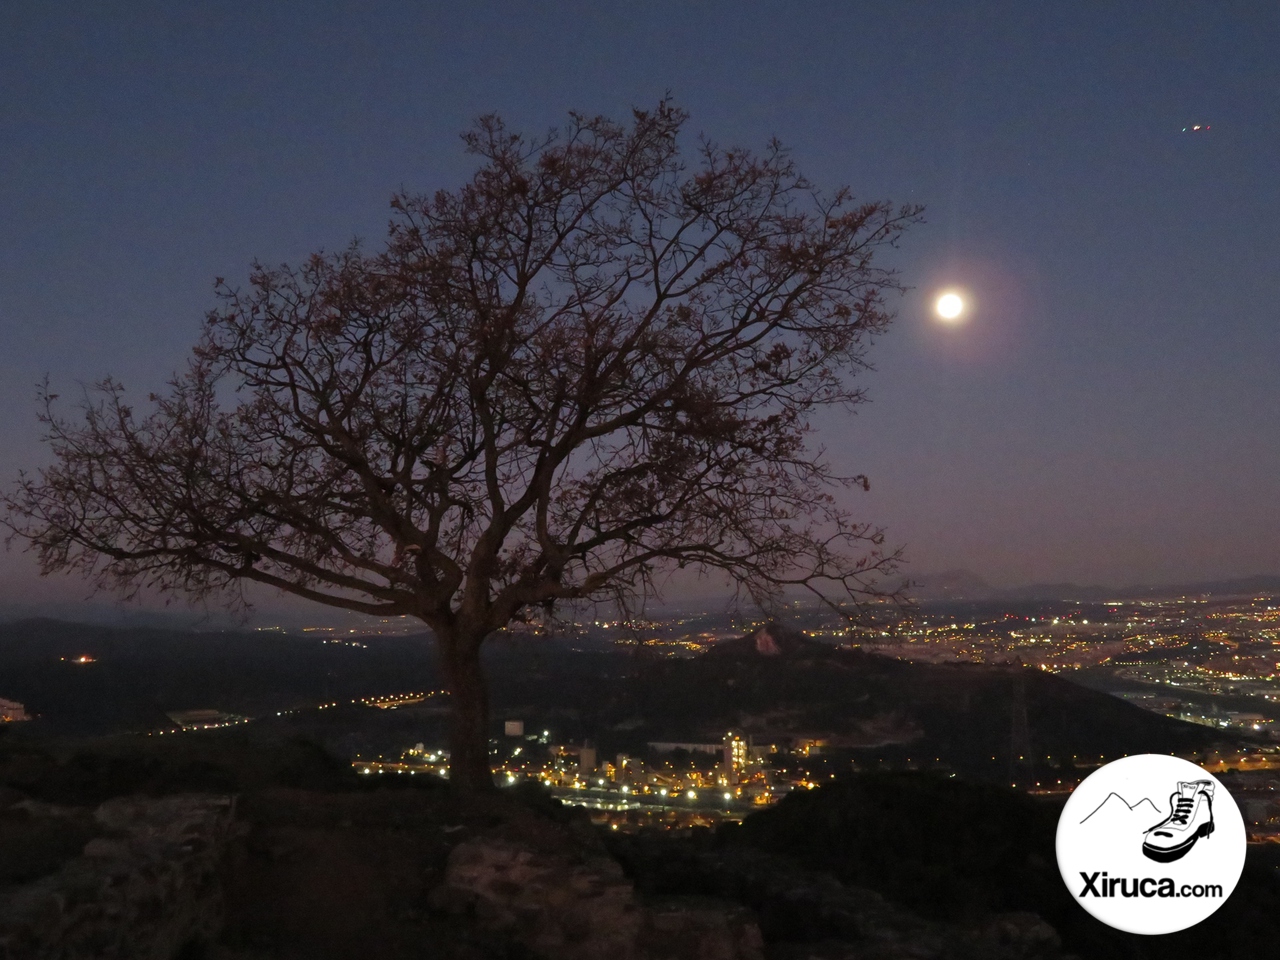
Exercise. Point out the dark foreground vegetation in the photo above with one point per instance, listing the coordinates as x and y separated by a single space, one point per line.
955 851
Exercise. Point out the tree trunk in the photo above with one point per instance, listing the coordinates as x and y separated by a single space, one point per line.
469 769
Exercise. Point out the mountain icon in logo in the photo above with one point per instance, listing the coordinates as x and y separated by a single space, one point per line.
1117 810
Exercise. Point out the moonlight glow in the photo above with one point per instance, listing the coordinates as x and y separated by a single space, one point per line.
949 306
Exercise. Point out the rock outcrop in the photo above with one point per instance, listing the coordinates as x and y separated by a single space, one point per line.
571 900
142 889
143 879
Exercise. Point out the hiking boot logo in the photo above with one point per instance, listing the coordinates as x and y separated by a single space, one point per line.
1126 856
1190 818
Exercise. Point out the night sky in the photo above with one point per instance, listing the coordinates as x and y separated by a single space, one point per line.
1109 411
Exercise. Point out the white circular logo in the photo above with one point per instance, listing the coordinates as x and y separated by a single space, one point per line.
1151 844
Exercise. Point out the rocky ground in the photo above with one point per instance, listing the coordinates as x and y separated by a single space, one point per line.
285 872
145 884
213 851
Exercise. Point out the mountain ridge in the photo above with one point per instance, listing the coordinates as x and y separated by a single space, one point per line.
1129 807
961 584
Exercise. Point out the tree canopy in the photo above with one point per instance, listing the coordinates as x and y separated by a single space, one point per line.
594 362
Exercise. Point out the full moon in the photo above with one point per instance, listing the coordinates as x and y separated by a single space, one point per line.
949 306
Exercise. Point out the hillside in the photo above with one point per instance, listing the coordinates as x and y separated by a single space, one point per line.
778 686
863 705
134 676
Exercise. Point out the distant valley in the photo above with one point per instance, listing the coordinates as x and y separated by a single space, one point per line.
857 708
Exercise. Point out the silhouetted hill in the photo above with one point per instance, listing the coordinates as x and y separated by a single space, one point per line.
862 705
951 585
771 640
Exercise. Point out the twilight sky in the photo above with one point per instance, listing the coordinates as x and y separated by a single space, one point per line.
1110 411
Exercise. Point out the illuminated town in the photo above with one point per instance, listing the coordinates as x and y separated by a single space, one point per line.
1209 661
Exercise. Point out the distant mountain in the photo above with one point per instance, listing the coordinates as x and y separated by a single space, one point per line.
122 615
967 585
1068 591
952 585
1117 810
287 616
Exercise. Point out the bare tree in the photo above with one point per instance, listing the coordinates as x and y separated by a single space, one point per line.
589 365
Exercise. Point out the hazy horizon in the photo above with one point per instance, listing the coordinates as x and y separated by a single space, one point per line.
292 613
